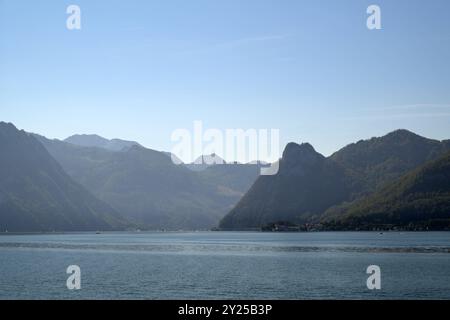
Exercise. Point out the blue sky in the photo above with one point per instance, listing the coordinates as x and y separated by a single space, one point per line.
139 70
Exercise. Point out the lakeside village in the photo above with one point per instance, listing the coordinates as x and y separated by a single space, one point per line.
283 226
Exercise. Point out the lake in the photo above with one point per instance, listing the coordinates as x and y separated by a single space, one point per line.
226 265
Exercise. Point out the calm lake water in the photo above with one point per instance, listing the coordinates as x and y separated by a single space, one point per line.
226 265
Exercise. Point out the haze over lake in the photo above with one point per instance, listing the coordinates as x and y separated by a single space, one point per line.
226 265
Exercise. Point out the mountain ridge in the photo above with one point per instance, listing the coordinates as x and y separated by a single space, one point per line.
37 195
146 187
420 198
150 191
308 182
94 140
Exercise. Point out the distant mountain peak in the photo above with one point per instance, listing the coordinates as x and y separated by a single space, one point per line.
300 151
403 134
86 140
96 136
7 126
211 159
94 140
3 123
299 157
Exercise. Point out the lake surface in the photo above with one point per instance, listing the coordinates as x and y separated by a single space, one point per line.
226 265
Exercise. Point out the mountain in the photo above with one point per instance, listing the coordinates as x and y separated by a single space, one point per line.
417 200
93 140
146 187
37 195
377 161
205 161
345 190
306 185
309 184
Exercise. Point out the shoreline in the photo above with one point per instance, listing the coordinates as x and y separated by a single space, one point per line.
217 231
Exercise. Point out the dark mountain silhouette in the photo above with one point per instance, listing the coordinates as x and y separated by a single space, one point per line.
419 199
309 184
37 195
377 161
93 140
305 186
146 187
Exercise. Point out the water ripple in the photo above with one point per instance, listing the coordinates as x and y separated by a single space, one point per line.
224 248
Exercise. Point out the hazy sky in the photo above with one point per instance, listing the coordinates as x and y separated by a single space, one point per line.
141 69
